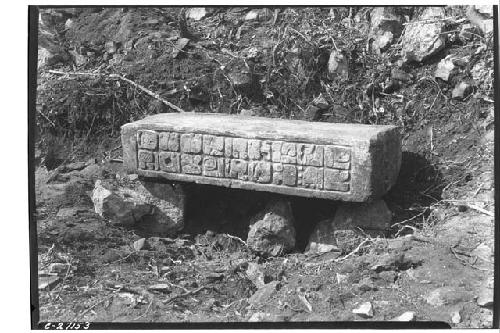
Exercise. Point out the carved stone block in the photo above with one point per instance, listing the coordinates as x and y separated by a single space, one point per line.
337 157
146 160
289 175
213 145
169 141
336 180
213 166
259 172
289 152
310 154
191 143
236 168
169 162
312 177
191 164
347 162
148 140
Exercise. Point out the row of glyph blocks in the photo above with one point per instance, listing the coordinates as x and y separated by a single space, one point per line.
337 161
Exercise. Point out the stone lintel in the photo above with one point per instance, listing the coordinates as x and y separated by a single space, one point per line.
349 162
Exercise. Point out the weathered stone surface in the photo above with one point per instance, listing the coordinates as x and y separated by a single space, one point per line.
158 207
365 310
385 27
444 69
272 231
347 162
407 316
338 65
111 206
424 37
461 90
342 234
485 297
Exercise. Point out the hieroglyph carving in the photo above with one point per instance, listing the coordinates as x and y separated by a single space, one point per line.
281 163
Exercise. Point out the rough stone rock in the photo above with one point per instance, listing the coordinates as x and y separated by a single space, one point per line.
455 317
69 211
255 274
196 13
447 295
47 282
111 47
366 284
338 65
485 297
348 162
424 39
266 317
461 90
483 252
162 203
264 293
365 310
468 31
483 22
272 231
407 316
485 10
179 46
400 75
321 102
394 261
111 206
385 27
342 234
78 59
261 14
444 69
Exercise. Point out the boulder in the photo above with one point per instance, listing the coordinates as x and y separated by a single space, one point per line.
338 65
447 295
485 297
365 310
118 209
480 18
468 31
385 27
267 317
423 37
342 234
272 231
407 316
444 69
262 295
461 91
157 207
196 13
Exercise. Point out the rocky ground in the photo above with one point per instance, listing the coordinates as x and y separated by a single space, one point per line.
427 70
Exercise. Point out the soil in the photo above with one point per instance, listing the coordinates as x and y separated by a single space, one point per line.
442 237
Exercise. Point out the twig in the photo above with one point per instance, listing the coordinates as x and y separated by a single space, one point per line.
236 238
147 91
356 250
410 219
301 35
142 315
121 259
119 77
46 118
97 303
471 206
191 292
479 209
